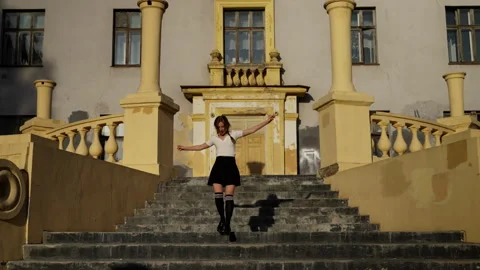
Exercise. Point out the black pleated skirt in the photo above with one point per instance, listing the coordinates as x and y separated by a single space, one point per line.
224 172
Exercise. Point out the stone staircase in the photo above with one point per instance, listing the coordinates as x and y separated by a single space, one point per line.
280 222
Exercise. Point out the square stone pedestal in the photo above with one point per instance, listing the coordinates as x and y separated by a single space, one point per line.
38 126
344 124
148 141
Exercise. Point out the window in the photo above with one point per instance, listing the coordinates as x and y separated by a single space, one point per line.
364 37
244 36
476 113
463 35
11 123
127 38
22 38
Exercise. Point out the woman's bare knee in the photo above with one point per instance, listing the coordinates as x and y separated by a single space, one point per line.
217 188
230 190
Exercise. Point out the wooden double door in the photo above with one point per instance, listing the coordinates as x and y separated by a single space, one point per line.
250 150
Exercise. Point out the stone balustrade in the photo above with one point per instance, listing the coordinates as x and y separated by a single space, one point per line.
245 74
82 130
423 134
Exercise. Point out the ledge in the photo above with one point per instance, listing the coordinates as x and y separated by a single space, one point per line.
235 91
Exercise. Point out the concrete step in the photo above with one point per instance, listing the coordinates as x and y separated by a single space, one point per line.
318 264
251 181
247 220
203 188
206 228
253 211
246 203
251 251
251 237
265 195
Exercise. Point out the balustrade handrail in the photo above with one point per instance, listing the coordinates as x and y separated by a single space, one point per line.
103 120
408 120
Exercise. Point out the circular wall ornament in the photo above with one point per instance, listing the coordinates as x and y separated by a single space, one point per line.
13 190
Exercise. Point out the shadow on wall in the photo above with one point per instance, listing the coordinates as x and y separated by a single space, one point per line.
129 266
255 168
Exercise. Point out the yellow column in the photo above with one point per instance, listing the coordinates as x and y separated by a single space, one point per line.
455 92
148 140
343 114
42 122
217 69
457 120
340 14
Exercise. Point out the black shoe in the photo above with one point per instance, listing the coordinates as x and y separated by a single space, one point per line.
221 228
227 230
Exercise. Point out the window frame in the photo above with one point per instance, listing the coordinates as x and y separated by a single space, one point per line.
361 28
127 30
251 29
31 30
458 28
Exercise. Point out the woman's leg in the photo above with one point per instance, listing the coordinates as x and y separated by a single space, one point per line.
218 189
229 205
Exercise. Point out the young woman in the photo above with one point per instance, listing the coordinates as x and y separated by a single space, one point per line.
225 172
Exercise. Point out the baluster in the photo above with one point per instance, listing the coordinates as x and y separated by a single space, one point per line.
71 136
427 132
384 143
251 77
96 147
236 77
438 137
400 146
260 80
415 144
61 139
244 77
82 148
229 77
111 146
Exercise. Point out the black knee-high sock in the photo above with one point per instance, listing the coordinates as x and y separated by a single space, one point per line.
229 208
219 204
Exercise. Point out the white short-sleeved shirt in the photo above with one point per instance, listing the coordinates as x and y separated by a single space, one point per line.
225 147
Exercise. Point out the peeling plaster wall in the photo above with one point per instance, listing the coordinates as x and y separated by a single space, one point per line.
78 52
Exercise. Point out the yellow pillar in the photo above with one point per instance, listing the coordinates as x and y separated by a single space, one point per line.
148 140
343 114
457 119
42 122
217 69
455 92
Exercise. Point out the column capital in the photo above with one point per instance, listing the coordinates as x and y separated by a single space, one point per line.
162 4
46 83
331 4
454 75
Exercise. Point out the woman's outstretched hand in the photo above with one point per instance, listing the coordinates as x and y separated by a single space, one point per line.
180 147
271 117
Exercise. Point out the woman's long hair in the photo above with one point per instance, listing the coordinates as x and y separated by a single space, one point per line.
223 119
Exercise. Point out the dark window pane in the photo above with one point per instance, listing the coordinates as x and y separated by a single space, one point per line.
258 40
135 20
450 16
244 53
258 19
9 48
121 19
24 40
135 48
11 20
452 46
355 18
368 18
37 54
39 21
229 19
244 19
356 50
477 16
477 44
369 47
467 46
465 17
230 47
120 48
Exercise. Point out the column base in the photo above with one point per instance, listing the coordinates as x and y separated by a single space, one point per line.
39 126
345 134
460 123
148 141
